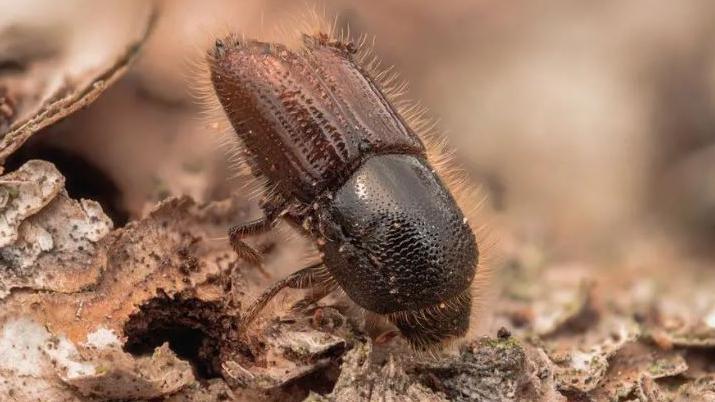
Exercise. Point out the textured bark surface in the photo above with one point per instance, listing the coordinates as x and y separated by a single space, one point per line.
151 311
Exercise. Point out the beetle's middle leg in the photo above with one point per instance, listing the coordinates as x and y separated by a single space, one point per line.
308 277
320 288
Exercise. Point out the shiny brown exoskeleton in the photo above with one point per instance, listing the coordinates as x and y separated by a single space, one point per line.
343 166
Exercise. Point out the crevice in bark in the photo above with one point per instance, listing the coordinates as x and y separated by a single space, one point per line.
84 179
191 327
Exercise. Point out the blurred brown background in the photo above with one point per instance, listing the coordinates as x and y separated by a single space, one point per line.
585 123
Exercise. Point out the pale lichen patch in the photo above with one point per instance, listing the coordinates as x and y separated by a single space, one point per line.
21 343
102 338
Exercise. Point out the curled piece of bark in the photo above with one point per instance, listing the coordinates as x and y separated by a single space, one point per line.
114 374
54 77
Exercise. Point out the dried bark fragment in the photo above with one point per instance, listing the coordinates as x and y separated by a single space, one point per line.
702 389
292 349
630 369
543 299
25 192
48 241
695 333
495 370
112 290
39 365
54 76
684 316
119 375
215 390
582 361
361 380
75 339
484 370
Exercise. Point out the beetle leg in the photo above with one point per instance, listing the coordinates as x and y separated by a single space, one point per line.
302 279
316 294
273 209
244 251
238 232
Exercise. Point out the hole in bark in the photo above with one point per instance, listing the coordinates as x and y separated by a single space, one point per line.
83 178
190 326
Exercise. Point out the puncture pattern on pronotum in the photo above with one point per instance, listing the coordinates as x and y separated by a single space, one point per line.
340 161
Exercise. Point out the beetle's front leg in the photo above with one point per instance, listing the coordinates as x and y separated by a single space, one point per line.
237 233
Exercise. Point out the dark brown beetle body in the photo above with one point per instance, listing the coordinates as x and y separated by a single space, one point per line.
345 167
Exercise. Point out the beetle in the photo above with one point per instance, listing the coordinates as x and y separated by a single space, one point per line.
341 164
